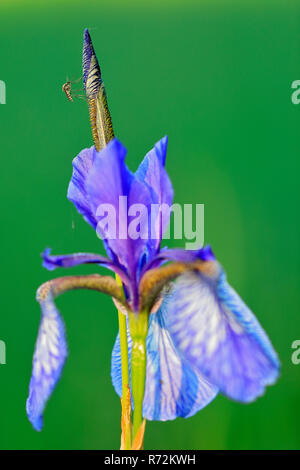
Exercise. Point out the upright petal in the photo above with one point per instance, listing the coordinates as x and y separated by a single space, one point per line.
48 361
159 152
217 333
152 172
77 194
173 387
110 185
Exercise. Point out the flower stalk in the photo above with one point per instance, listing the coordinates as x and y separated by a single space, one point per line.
102 132
126 438
138 326
199 327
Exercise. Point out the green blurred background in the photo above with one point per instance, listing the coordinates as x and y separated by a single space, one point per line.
216 77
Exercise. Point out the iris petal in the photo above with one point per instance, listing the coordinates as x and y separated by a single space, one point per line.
173 387
102 178
187 256
108 182
48 361
77 194
217 333
180 255
152 172
52 262
116 365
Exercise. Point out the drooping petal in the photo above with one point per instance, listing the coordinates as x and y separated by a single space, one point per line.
154 278
48 361
218 334
116 364
152 172
52 262
173 388
51 349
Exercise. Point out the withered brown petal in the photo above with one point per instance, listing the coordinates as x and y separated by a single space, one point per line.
104 284
154 280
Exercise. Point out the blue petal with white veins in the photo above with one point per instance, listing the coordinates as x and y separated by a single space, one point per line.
48 361
218 334
152 172
173 388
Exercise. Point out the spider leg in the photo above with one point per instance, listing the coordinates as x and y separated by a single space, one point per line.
80 96
78 80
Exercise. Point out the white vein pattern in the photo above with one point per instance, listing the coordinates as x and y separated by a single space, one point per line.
48 361
173 387
218 334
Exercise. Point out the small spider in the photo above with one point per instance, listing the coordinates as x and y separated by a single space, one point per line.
67 88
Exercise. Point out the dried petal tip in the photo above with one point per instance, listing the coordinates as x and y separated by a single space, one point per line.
138 441
126 421
90 67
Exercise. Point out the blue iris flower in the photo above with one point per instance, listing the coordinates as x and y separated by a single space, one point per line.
202 338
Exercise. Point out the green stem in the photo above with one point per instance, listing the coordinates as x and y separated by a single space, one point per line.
138 325
124 353
125 371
